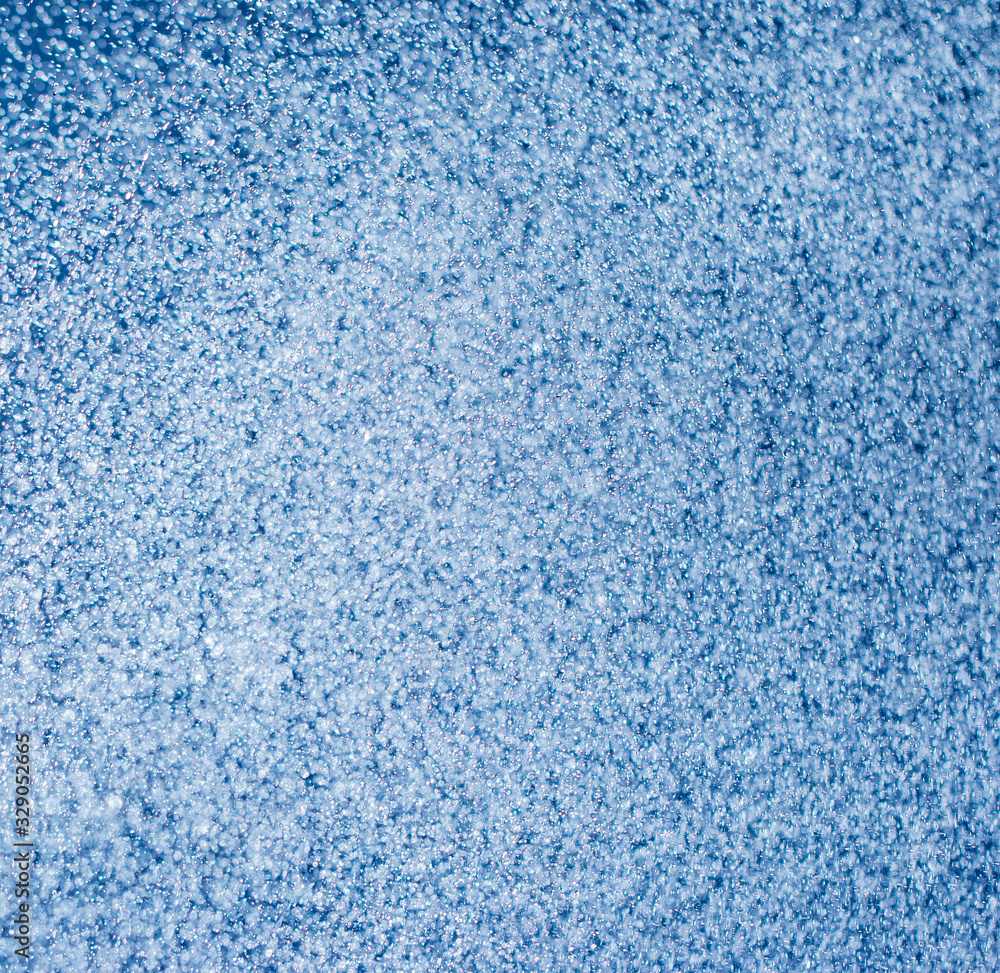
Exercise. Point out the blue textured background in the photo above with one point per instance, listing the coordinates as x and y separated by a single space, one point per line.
503 489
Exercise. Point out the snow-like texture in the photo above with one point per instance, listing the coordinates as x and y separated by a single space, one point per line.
503 489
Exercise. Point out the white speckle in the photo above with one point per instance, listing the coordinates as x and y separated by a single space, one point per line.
502 486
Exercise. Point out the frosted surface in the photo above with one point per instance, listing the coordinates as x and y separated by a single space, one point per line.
503 490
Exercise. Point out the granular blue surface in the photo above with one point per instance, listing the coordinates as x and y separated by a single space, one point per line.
503 488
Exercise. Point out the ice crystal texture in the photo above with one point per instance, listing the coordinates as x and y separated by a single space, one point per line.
503 488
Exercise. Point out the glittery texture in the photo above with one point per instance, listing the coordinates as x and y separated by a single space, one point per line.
503 490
